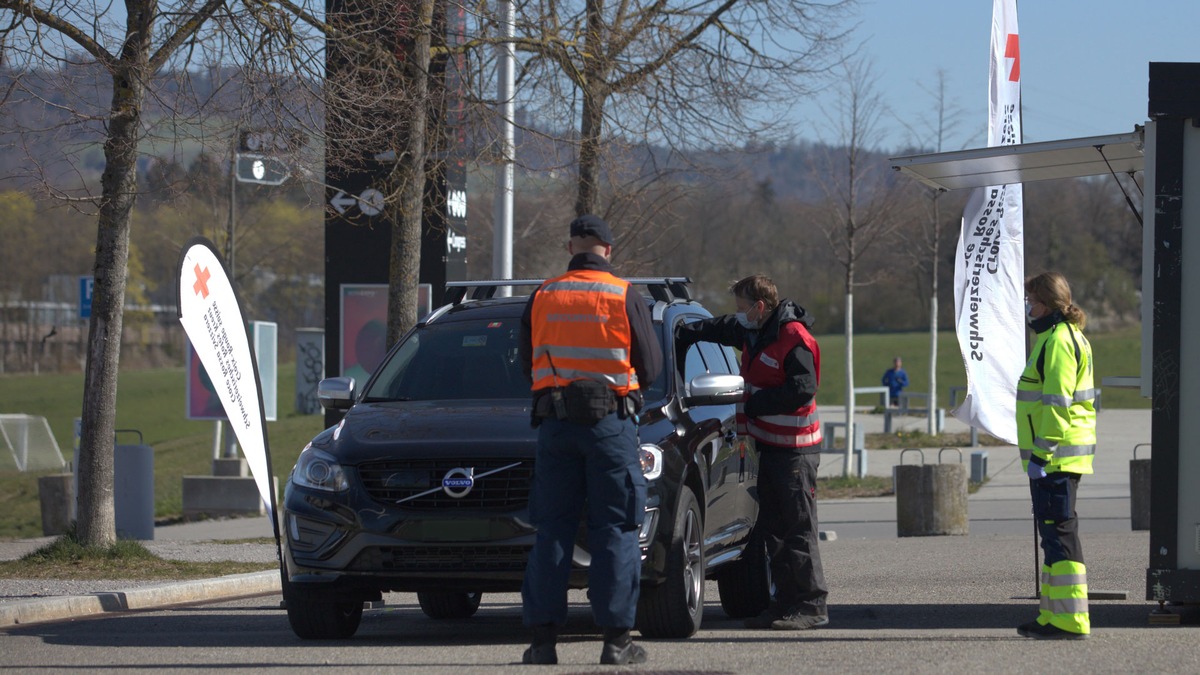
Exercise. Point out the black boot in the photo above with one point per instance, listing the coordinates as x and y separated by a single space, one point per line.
542 651
619 649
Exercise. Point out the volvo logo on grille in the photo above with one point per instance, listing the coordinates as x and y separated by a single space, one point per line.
458 482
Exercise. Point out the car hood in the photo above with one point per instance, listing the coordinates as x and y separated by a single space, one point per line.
488 428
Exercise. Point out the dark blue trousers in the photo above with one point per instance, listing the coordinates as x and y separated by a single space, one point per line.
597 466
1054 510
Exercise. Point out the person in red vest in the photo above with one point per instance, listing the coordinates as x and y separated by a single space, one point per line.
781 364
588 343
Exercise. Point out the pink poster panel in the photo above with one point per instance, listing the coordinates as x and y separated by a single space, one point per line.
202 400
364 330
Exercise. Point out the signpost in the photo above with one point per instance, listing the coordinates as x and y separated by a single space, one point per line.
85 296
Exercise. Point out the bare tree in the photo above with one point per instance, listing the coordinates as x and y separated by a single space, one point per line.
860 205
675 75
925 249
102 47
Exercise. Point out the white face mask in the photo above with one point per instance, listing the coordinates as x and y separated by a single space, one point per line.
748 324
1029 313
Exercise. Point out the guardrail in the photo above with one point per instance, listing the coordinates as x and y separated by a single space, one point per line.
884 394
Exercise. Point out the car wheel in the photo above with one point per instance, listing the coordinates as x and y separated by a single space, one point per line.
315 618
449 605
745 584
673 609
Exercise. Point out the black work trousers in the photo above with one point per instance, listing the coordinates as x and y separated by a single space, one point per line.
787 522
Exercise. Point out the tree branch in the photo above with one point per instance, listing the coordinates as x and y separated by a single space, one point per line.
66 28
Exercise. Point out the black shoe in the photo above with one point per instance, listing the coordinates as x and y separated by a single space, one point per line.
619 649
542 651
798 621
764 621
1047 631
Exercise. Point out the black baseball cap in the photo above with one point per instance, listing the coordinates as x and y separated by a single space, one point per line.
592 226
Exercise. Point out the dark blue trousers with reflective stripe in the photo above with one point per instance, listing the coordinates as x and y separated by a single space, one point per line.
597 466
1054 510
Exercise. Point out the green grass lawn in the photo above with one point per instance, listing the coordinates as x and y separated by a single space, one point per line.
1116 353
152 401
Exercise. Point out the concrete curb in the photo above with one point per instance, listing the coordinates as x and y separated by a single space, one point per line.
145 597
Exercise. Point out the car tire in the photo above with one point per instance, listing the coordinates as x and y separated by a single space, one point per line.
448 604
314 618
745 584
673 609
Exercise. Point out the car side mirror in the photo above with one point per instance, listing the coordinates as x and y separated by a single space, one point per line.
714 389
336 393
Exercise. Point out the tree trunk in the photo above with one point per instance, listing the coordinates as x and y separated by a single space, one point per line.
592 122
96 525
933 318
404 266
848 469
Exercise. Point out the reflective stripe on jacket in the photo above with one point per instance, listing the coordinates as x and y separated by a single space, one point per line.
580 330
799 428
1056 402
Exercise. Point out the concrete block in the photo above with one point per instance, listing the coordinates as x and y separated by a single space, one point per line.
235 466
1139 494
931 500
979 466
217 496
56 493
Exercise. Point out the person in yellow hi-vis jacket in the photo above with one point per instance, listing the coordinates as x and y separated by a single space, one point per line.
1056 432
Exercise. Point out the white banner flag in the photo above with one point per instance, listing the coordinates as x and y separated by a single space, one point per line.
212 319
989 270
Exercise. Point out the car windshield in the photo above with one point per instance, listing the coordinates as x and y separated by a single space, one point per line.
454 360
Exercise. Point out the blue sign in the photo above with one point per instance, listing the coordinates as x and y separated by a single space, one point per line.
85 297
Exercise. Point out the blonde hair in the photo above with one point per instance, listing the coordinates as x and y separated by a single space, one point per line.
1052 290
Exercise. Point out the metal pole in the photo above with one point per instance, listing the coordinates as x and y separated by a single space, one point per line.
229 250
503 200
230 440
1037 564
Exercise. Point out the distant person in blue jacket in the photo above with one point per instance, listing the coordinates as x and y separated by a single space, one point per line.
895 380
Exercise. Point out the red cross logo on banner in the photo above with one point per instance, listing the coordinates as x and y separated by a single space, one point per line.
1012 50
201 285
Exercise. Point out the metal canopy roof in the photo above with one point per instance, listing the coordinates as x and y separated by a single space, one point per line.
1005 164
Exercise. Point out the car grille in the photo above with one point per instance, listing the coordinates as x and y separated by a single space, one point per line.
389 482
441 559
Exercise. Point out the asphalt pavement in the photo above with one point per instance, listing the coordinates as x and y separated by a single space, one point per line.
863 544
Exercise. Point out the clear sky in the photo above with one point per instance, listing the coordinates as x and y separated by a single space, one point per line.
1084 63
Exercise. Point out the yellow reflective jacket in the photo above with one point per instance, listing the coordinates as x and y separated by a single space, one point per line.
1056 402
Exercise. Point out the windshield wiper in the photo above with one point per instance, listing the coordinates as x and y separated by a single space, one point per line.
385 399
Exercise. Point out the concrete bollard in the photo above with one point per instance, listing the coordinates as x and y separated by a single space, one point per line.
56 493
931 500
1139 491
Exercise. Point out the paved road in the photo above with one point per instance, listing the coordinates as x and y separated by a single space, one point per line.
907 605
946 604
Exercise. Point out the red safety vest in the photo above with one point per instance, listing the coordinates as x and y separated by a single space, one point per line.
581 331
801 427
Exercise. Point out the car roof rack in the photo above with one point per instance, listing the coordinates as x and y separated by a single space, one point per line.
663 289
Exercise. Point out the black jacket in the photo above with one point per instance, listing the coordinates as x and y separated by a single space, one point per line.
800 385
645 354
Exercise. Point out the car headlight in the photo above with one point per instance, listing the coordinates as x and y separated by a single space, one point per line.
652 461
317 470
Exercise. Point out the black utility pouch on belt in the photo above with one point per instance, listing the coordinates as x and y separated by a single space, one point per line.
588 401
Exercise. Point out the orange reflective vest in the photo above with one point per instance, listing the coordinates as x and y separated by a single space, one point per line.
580 330
799 428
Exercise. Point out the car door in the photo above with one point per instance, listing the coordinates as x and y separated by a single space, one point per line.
746 453
732 509
713 440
